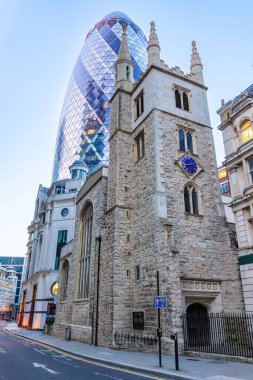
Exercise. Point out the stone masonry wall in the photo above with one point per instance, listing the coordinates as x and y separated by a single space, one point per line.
75 313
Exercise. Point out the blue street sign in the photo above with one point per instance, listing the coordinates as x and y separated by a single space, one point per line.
160 302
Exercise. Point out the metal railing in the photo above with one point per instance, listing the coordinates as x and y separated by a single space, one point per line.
134 339
226 334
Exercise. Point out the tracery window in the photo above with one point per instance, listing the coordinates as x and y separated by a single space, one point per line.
181 140
178 99
85 252
64 280
185 101
189 142
182 98
185 141
191 200
247 131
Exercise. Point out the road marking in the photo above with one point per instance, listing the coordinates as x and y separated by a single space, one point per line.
2 350
62 361
93 361
58 356
105 375
38 365
221 377
42 353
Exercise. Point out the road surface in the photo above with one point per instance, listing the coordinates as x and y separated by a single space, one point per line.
22 359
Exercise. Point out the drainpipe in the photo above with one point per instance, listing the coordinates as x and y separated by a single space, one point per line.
98 279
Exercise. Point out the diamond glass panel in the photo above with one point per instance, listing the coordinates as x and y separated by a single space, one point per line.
83 131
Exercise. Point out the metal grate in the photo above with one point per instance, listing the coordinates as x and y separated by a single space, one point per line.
226 334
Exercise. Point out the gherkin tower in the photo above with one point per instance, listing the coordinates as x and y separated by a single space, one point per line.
84 124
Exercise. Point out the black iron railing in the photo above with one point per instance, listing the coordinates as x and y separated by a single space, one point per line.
227 334
134 339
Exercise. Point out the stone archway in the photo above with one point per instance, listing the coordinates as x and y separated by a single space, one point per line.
198 328
196 310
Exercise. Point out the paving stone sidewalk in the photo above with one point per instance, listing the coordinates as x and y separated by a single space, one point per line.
190 368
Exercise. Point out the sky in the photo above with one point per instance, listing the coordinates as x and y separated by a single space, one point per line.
40 41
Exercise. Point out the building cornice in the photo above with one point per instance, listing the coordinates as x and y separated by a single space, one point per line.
91 182
236 157
170 114
168 72
120 90
235 115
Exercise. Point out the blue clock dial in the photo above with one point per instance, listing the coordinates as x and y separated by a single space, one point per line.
189 165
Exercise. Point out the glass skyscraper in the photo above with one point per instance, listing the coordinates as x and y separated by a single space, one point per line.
84 125
18 264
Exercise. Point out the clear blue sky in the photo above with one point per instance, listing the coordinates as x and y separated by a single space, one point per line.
39 44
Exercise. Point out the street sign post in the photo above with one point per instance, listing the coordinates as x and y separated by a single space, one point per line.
160 302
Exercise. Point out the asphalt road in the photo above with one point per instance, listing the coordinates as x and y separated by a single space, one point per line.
25 360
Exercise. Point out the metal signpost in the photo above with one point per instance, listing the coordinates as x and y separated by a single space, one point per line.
160 303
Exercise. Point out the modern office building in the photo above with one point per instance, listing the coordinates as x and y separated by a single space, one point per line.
18 264
8 284
84 124
237 130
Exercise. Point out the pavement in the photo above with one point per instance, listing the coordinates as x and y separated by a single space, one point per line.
191 368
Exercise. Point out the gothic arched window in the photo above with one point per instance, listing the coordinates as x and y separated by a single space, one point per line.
187 205
64 280
191 200
186 140
195 208
247 131
189 142
182 99
185 101
181 140
85 251
178 99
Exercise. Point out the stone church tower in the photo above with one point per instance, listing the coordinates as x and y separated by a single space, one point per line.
163 199
158 210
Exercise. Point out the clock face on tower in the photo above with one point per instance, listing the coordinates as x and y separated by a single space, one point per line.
189 165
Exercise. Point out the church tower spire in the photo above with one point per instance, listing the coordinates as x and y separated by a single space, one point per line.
196 64
123 65
153 47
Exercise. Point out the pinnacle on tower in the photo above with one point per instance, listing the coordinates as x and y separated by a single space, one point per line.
196 64
123 65
124 54
153 47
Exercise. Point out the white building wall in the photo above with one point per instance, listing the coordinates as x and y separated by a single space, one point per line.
44 245
237 154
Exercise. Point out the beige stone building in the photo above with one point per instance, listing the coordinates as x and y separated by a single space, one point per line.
157 208
236 126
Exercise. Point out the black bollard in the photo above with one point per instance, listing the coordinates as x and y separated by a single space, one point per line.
174 337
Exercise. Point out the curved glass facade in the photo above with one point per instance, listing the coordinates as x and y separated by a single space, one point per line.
84 125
